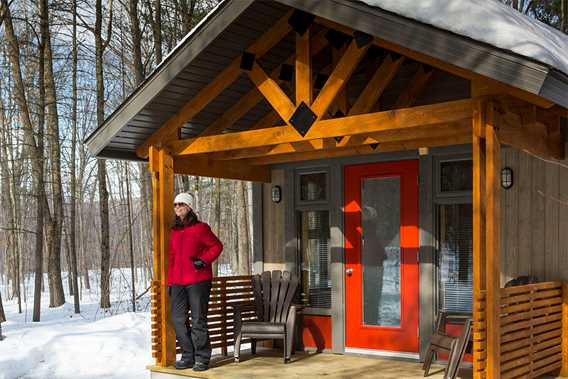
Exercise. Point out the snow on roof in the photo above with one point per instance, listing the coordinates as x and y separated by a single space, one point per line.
487 21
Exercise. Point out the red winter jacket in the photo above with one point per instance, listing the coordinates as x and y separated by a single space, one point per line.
198 241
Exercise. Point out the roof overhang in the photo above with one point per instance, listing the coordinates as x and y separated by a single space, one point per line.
234 25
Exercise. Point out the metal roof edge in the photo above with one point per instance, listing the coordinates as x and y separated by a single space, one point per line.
175 62
555 88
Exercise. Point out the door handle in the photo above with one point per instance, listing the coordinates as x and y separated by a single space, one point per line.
349 271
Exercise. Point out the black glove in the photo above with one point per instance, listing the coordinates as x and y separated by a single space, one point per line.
198 263
170 291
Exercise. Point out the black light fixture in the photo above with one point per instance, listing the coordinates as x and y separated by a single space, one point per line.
276 194
507 177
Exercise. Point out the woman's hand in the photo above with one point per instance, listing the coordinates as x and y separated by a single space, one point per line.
198 263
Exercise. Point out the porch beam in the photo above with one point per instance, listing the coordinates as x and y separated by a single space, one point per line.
267 121
361 150
338 78
445 66
377 85
418 83
316 44
303 66
203 166
493 243
212 90
530 128
436 131
161 165
449 112
272 92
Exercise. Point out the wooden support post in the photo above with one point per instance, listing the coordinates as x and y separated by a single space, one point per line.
478 230
303 69
493 244
161 164
564 369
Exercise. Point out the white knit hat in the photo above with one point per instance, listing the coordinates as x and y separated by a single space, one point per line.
184 197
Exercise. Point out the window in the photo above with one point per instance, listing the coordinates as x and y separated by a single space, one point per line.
454 221
456 176
313 187
455 257
314 258
312 211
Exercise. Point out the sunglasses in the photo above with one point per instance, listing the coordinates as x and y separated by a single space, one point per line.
180 205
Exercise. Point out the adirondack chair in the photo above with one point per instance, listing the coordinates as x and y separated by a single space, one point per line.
455 347
276 315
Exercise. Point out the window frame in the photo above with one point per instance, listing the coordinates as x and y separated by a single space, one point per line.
298 191
445 198
438 193
312 205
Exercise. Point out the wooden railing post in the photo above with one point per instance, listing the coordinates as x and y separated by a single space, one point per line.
564 369
223 292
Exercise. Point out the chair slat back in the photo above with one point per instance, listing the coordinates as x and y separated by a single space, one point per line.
288 296
284 285
257 292
276 280
266 281
273 295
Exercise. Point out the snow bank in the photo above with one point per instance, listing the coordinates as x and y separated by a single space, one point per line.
93 344
488 21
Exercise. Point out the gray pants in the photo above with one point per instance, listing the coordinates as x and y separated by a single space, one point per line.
194 341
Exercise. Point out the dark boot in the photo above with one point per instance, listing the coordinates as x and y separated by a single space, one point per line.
183 363
200 366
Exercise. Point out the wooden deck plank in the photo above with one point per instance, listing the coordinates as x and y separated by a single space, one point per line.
268 364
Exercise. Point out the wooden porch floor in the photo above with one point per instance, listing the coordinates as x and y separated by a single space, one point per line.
268 364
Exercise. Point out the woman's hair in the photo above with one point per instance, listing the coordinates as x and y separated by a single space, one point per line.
190 219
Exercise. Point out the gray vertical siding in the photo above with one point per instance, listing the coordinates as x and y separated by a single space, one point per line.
535 218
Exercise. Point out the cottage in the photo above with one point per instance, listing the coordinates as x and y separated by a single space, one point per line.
408 159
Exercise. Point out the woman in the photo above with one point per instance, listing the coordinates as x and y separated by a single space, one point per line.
193 248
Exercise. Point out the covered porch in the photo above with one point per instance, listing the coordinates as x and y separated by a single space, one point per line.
317 85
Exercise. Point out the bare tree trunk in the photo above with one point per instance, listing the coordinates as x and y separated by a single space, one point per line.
156 22
217 216
73 201
243 232
2 314
130 242
2 317
36 153
100 46
56 293
564 23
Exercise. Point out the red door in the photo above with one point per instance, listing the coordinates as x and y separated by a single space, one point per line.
381 256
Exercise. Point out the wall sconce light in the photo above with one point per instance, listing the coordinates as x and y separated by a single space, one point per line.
276 194
507 177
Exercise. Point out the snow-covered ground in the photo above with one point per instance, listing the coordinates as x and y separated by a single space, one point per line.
93 344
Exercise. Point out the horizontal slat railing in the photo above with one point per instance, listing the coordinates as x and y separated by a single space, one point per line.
226 291
532 323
